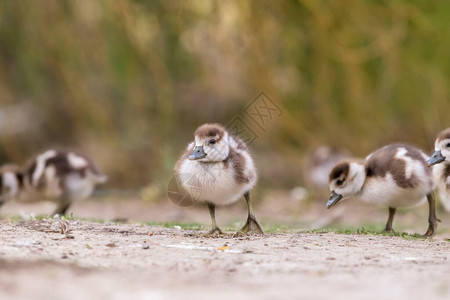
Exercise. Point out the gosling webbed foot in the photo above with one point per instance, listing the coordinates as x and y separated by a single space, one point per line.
388 230
251 226
431 231
213 233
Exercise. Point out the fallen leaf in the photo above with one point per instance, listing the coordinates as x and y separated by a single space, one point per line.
223 248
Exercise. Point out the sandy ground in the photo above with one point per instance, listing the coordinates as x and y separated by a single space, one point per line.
115 261
135 261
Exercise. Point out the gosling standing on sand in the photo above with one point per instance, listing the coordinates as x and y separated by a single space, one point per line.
393 176
217 169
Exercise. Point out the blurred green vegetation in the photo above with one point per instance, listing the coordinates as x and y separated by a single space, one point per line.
129 81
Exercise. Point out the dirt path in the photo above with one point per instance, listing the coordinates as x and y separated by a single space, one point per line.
114 261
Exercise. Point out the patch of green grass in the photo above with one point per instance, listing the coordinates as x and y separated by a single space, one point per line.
13 218
365 231
72 218
101 221
186 226
232 227
280 228
368 229
16 218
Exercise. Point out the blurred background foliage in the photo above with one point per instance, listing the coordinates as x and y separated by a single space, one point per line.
129 81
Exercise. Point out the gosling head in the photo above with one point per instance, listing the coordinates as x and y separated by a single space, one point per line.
346 179
210 144
441 148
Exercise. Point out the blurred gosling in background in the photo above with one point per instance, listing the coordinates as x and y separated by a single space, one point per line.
393 176
319 164
440 160
58 176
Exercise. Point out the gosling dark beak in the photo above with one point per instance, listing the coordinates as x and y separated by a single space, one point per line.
197 153
334 199
435 158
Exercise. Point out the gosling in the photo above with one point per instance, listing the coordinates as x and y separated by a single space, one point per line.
440 160
217 169
58 176
393 176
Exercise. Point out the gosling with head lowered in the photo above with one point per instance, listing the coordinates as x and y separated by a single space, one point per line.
393 176
57 176
217 169
440 160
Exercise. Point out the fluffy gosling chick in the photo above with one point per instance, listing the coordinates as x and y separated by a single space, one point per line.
11 182
217 169
440 160
393 176
61 177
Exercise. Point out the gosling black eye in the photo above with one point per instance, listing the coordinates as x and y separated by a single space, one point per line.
212 141
448 145
339 182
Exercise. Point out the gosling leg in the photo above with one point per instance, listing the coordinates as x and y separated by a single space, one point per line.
252 224
62 207
215 230
390 220
432 220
